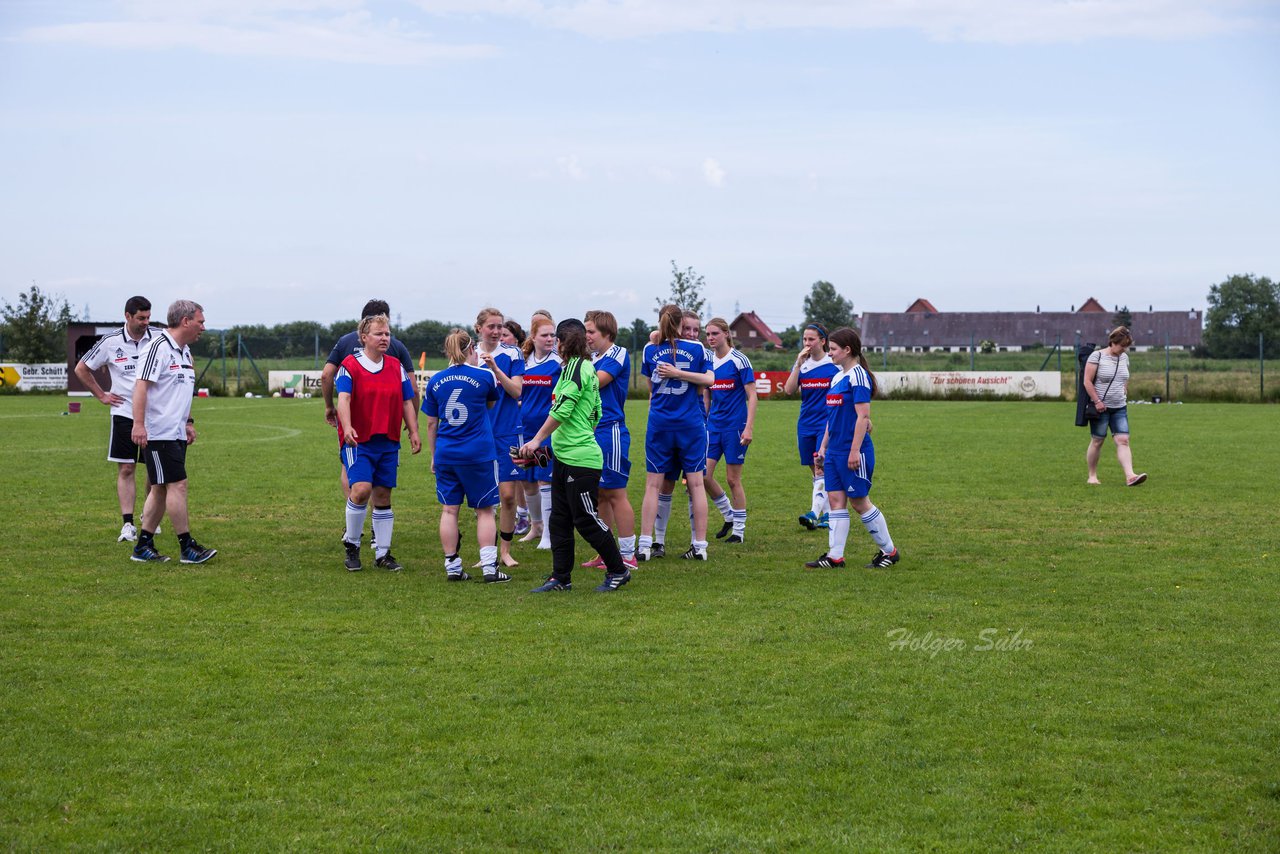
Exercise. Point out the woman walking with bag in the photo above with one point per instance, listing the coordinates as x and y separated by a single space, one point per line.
1106 381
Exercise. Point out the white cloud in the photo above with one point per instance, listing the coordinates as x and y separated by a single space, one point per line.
334 31
1007 21
571 168
713 172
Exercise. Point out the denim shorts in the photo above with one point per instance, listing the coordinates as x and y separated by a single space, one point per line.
1117 418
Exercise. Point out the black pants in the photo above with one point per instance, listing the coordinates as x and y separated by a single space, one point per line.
573 505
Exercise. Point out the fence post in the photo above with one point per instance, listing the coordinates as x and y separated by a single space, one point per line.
239 361
317 363
222 341
971 351
1167 397
1262 366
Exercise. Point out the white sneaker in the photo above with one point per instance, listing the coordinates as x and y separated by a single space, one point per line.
128 533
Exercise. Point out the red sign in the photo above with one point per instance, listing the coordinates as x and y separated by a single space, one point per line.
771 382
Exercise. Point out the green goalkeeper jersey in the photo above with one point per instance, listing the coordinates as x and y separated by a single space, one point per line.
575 403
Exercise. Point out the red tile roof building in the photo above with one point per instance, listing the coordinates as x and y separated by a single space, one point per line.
923 327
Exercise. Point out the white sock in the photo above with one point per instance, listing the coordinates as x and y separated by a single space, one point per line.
723 505
740 521
819 502
627 545
878 528
535 509
453 565
489 557
839 533
664 516
646 543
521 513
355 522
544 498
383 522
700 545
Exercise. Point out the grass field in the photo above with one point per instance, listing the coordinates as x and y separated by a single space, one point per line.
1116 690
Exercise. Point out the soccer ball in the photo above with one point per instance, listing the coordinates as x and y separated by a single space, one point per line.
249 394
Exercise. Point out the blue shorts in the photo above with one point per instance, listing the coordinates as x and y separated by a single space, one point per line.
1117 419
856 483
727 444
668 451
508 470
478 482
374 461
615 444
808 444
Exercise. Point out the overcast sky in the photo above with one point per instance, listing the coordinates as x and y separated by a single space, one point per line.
286 159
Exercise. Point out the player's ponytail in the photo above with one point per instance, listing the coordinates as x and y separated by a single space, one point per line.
848 338
669 326
456 345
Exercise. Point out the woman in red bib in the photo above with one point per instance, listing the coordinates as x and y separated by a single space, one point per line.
375 400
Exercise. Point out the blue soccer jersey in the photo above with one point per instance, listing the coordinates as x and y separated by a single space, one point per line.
815 380
847 389
459 396
613 398
729 391
675 404
535 401
504 417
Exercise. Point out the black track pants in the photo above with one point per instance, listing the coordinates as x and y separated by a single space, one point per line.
573 505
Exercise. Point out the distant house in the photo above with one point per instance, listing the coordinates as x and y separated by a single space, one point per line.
922 328
752 333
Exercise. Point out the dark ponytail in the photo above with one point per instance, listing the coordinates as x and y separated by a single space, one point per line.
848 338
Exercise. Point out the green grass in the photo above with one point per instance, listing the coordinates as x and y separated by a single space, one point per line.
271 700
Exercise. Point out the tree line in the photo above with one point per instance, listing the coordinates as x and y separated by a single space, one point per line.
33 329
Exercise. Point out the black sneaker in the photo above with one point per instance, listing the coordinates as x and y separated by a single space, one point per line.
882 560
809 520
827 562
147 554
193 552
460 575
493 575
725 530
694 553
734 538
613 581
388 563
352 561
657 550
553 586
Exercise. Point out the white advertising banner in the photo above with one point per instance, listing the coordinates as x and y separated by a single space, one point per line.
299 381
308 382
947 383
50 376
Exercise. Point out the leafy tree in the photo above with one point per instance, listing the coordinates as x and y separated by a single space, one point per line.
1122 317
791 337
826 306
686 290
1239 309
427 336
640 329
35 330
